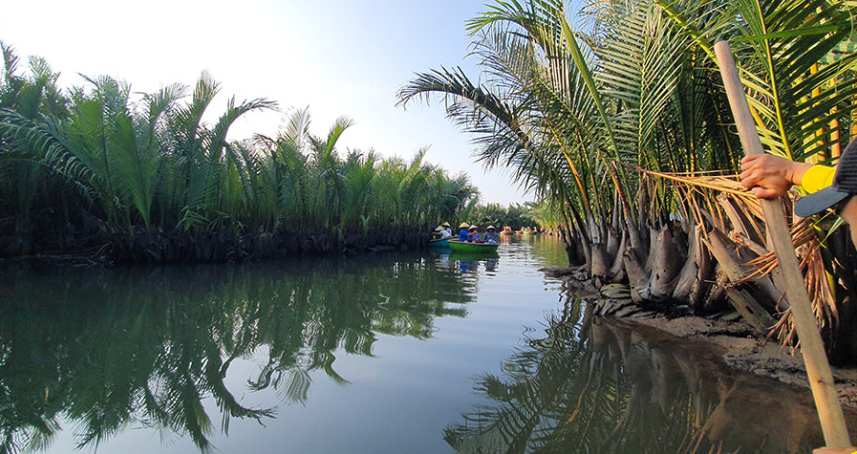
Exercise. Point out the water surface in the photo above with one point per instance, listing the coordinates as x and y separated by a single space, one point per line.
387 353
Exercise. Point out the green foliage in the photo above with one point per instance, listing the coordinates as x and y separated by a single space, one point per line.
316 187
153 162
636 83
516 216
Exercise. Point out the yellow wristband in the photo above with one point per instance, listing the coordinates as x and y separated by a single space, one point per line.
817 178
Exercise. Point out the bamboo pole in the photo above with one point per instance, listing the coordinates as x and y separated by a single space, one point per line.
814 357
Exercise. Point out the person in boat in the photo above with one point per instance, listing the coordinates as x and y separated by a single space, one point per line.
447 228
491 237
473 234
462 231
770 176
445 232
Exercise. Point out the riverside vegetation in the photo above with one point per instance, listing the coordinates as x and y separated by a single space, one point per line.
619 121
100 173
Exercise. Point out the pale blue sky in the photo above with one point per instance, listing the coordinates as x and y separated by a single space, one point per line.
337 57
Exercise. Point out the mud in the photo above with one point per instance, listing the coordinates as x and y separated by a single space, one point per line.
742 350
733 341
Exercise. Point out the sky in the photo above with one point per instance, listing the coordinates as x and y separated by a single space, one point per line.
339 58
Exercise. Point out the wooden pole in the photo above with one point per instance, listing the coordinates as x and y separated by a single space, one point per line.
814 357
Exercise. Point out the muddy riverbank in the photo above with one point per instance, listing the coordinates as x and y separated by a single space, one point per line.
207 244
753 354
733 341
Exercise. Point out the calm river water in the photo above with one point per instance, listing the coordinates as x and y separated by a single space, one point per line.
388 353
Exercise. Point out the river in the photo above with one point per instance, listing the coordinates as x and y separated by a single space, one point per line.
405 352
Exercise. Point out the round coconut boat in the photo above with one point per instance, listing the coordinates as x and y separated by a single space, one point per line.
470 248
439 243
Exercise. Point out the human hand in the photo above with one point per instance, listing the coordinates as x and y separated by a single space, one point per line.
834 450
770 176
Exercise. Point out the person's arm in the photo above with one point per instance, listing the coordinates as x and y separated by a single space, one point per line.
770 176
850 450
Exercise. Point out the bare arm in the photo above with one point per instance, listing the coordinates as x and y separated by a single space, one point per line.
834 450
770 176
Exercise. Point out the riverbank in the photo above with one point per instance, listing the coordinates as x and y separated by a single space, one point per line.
201 245
734 341
759 356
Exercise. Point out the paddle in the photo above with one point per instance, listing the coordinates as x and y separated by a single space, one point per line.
817 368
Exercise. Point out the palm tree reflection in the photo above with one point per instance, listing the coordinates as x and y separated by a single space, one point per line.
109 349
599 386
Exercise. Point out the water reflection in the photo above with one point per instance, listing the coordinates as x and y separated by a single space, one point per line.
491 265
104 351
598 386
548 249
108 348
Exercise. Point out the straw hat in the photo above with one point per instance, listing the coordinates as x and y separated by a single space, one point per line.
445 224
464 225
490 227
473 227
438 229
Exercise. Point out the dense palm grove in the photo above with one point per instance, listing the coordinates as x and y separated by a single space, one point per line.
101 172
617 117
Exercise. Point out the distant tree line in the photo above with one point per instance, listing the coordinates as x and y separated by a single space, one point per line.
516 216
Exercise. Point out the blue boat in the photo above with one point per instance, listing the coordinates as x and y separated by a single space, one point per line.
439 243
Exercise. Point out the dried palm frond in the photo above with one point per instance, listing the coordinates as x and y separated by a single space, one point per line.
744 212
808 247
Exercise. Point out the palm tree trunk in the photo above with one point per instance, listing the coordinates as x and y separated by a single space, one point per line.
693 279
